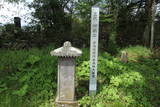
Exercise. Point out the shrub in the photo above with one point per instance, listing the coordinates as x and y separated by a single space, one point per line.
29 76
121 85
134 52
156 53
29 79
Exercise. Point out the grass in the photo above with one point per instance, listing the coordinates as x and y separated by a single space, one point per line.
28 78
134 52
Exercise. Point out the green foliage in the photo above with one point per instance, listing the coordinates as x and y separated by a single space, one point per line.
22 91
107 22
81 33
112 46
12 37
134 52
32 59
29 79
122 85
56 25
28 75
156 53
83 70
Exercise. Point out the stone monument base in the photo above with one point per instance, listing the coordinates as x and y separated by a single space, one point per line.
66 103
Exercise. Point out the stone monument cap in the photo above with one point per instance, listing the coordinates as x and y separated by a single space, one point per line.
66 51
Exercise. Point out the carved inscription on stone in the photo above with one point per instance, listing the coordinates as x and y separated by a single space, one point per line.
66 78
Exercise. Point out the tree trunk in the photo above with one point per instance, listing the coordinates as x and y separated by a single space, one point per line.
152 24
146 35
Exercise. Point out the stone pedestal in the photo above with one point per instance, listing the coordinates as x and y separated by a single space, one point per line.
66 103
124 56
66 75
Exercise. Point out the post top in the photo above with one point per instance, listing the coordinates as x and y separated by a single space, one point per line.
66 51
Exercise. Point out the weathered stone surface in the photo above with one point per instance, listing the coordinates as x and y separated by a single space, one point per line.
66 51
66 103
124 56
66 75
66 79
17 22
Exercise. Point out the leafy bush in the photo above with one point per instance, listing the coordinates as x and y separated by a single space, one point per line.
122 85
29 79
28 75
134 52
156 53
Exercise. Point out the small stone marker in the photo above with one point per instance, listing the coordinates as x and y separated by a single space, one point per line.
17 22
124 56
66 75
94 50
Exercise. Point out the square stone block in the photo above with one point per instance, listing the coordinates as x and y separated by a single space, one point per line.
66 87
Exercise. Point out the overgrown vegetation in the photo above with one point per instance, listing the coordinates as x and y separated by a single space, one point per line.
124 85
29 79
122 23
28 74
137 51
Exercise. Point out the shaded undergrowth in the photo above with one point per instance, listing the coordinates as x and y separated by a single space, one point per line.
28 78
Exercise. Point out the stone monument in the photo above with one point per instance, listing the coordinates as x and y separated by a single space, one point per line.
66 75
17 22
124 56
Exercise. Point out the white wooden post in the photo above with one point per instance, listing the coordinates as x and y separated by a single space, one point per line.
94 50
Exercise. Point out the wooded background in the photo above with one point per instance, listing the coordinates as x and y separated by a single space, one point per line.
122 23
